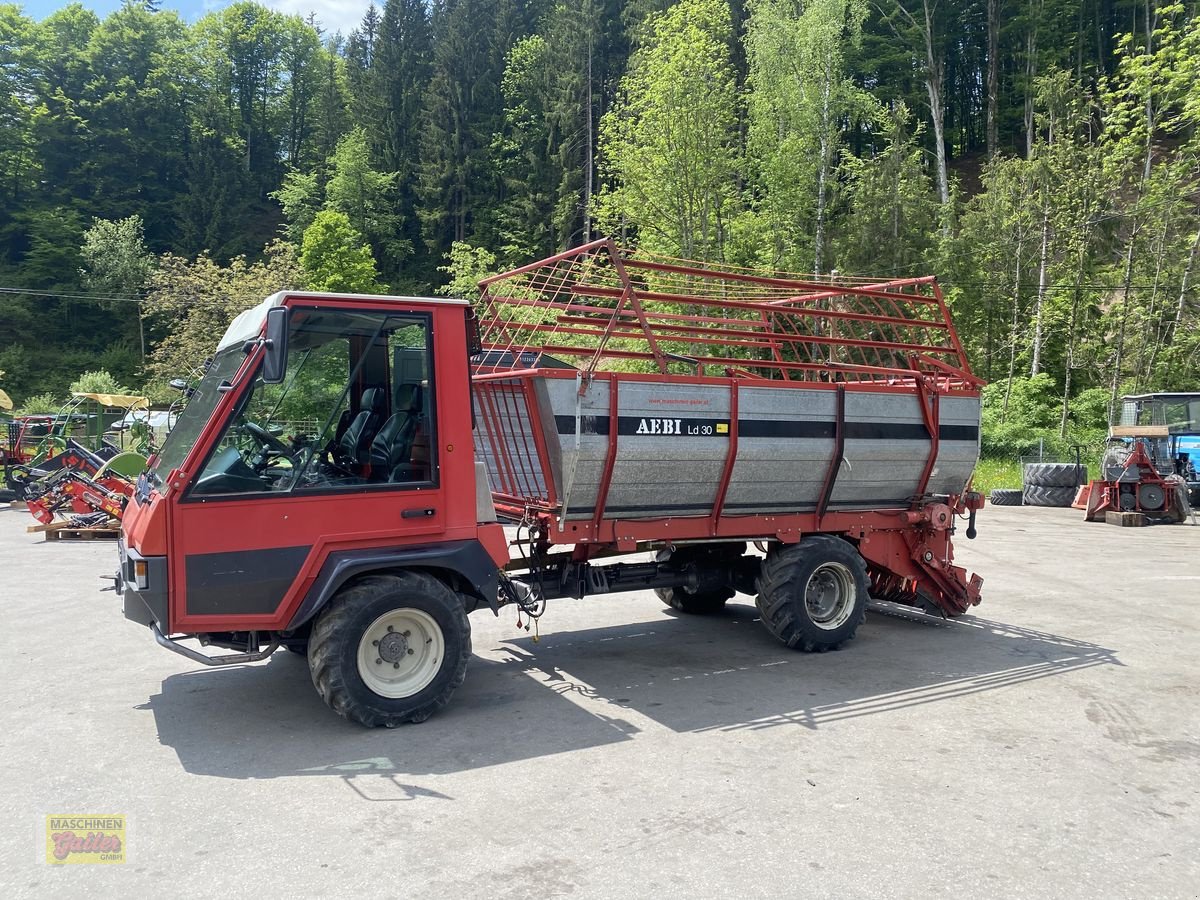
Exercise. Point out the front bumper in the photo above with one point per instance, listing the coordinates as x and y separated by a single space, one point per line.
147 605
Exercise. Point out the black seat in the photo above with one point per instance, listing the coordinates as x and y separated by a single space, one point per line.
393 444
355 445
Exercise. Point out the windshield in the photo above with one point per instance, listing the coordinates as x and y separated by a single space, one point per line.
200 406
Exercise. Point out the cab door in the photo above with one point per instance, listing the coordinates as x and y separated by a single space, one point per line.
341 455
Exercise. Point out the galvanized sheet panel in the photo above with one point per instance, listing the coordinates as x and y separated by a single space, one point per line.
666 465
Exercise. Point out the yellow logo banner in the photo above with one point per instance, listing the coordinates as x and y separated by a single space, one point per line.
85 839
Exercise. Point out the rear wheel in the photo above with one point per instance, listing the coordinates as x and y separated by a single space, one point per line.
813 595
390 649
699 603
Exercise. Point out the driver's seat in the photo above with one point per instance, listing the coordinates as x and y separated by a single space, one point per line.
355 445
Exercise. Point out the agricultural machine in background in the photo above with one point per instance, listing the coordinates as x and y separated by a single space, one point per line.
620 404
69 468
1148 471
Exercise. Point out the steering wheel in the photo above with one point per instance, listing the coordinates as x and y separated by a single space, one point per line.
265 439
268 446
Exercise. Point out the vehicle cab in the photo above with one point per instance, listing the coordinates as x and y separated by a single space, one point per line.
329 438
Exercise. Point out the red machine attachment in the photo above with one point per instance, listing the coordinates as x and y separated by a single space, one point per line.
1136 487
72 490
914 564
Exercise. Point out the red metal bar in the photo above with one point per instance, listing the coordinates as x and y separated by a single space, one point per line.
730 458
750 278
786 527
723 303
879 290
839 453
539 441
610 458
747 342
582 250
566 350
931 414
752 339
637 307
937 292
492 425
669 332
951 370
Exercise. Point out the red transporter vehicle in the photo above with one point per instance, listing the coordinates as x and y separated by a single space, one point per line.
327 487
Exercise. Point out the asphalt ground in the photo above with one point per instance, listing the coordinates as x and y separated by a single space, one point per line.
1048 745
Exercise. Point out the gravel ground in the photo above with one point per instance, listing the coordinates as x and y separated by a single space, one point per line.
1047 746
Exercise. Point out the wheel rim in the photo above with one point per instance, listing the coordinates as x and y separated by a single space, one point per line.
829 595
400 653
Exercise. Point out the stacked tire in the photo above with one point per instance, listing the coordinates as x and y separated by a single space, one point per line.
1052 484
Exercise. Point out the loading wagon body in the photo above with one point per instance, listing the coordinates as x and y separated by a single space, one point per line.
624 400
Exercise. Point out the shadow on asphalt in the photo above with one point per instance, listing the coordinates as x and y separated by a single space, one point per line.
576 690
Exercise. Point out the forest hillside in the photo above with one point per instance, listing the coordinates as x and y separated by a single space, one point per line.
1039 156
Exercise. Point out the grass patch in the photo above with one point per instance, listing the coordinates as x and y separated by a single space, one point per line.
993 473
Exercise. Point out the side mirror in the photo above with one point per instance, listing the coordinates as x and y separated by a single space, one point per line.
178 384
275 347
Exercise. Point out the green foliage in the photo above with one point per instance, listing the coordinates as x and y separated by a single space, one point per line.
462 110
300 197
800 102
39 404
466 266
796 133
997 472
349 185
364 195
99 381
190 302
1022 416
670 142
890 226
115 257
334 256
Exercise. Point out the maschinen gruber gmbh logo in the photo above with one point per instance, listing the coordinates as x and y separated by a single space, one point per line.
75 840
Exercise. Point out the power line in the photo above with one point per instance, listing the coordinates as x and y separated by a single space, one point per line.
197 302
1096 286
103 298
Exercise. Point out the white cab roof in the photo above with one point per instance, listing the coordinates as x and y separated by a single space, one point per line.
248 324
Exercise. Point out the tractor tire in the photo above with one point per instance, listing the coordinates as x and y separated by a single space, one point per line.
7 496
369 666
1048 496
701 603
1005 497
813 595
1055 475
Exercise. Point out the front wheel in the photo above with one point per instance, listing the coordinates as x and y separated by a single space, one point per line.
390 649
813 595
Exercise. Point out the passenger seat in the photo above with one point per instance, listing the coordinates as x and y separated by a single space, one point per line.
392 446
